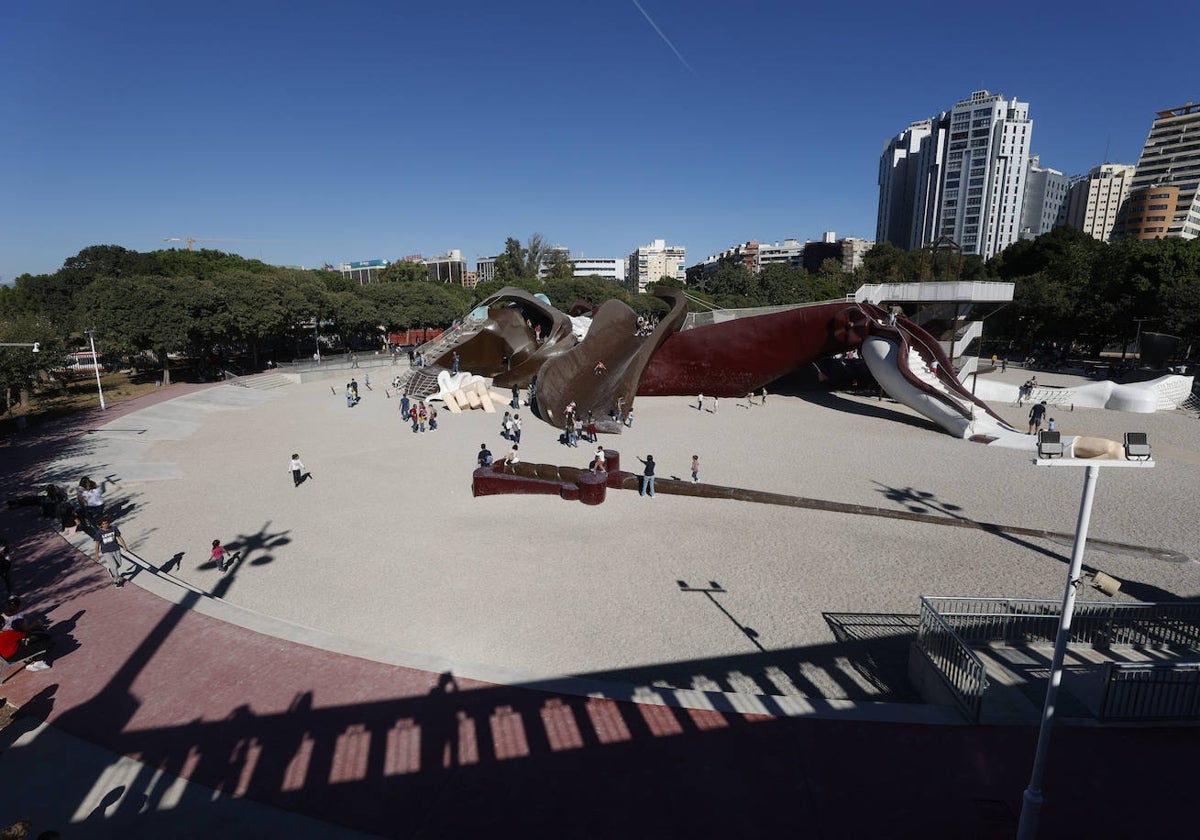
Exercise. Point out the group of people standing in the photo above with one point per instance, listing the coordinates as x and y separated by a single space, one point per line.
510 427
418 414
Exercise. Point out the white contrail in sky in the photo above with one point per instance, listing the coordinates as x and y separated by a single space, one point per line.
666 40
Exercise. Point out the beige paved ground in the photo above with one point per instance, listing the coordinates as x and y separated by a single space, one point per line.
387 544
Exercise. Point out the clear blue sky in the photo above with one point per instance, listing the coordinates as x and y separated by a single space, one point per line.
361 130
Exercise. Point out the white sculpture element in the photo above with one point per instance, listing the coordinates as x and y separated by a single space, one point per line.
1163 394
464 390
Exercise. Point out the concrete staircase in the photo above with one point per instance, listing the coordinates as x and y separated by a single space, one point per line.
266 381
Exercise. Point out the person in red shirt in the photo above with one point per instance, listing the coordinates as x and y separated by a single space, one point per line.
16 645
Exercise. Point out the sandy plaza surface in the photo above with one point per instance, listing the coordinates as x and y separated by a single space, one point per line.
386 548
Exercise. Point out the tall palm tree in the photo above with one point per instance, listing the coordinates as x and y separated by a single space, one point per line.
537 252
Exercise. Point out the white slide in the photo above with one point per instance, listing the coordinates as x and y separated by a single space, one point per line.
882 356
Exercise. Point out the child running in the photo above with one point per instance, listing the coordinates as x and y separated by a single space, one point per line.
219 557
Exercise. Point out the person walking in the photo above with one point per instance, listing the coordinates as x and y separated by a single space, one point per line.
764 395
1036 415
109 544
412 416
432 419
404 406
695 468
454 364
647 488
299 476
516 428
484 457
700 402
506 425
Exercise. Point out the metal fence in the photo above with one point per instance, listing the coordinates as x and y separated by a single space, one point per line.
962 670
1097 623
1151 691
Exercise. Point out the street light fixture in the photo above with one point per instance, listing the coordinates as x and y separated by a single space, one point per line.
96 363
1137 339
1031 805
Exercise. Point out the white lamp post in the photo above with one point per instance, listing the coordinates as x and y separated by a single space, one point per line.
96 363
1031 805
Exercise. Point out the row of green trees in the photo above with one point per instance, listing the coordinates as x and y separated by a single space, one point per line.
170 302
1069 288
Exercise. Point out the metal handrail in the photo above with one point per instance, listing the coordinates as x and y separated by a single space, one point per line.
959 666
1101 623
1151 691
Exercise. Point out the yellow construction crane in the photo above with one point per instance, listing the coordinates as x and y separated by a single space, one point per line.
191 240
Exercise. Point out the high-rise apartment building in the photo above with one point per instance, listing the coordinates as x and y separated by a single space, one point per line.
652 262
960 174
1045 205
910 172
1164 187
1096 199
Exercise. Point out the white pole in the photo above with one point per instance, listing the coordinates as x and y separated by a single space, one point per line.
1031 806
96 362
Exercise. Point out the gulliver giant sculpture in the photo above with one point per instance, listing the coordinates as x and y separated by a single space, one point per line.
605 363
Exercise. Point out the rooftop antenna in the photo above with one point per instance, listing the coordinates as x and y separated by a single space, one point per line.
1107 143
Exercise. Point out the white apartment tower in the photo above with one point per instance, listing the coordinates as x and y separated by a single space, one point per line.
1096 199
910 184
983 187
650 263
1045 200
960 175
